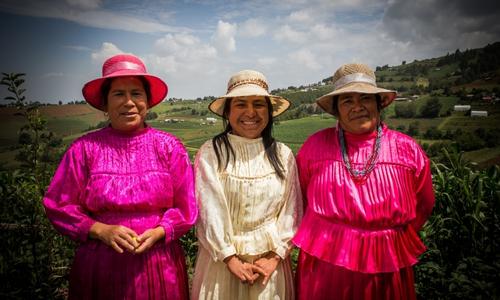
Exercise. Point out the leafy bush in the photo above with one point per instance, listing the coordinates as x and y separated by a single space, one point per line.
462 235
405 110
431 108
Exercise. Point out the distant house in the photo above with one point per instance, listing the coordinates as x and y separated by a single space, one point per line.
211 120
461 107
402 99
478 113
415 97
487 98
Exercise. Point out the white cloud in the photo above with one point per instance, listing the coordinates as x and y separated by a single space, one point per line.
107 50
301 16
88 13
223 38
266 61
323 32
288 34
253 28
305 58
180 53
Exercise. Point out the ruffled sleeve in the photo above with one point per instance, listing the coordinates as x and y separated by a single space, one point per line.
214 228
291 213
178 219
64 197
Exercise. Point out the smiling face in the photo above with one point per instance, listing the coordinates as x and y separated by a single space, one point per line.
127 104
248 116
358 113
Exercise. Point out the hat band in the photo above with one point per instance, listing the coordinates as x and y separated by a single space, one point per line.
123 65
355 77
255 81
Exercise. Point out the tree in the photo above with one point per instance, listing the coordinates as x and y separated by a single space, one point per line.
31 258
405 110
431 108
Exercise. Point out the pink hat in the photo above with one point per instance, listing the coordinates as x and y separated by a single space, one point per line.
123 65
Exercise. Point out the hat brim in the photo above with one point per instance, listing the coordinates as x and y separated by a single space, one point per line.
92 90
280 104
325 101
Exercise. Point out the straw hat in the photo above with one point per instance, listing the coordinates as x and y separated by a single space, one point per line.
248 83
123 65
354 78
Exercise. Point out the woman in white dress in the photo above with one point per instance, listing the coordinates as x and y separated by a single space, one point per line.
249 198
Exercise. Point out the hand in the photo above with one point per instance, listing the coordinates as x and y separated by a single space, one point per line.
242 270
268 264
117 237
148 238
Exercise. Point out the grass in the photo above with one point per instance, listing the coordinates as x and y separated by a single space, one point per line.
69 122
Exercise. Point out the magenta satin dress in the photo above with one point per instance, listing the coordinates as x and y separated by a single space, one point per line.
141 181
359 240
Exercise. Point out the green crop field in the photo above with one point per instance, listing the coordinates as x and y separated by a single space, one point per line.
71 121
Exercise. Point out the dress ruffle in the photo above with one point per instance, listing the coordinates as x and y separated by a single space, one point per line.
357 249
259 241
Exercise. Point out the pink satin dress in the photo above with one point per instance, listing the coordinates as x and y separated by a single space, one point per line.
141 181
359 240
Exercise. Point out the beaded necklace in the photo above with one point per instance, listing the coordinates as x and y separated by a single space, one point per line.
359 176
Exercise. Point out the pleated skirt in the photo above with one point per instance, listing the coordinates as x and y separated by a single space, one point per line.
99 272
212 280
318 280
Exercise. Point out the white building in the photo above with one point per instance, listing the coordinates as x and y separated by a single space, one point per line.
478 113
211 120
461 107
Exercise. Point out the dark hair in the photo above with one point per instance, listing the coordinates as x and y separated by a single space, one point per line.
106 87
269 142
335 102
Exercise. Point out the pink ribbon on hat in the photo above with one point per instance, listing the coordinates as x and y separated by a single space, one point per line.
123 65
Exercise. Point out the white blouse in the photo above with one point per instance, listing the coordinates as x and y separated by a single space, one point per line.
246 209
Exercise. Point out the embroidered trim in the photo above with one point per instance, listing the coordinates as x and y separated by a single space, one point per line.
255 81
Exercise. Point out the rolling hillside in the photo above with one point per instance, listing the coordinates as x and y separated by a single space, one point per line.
459 78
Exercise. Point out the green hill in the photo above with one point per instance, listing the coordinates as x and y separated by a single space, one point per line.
467 77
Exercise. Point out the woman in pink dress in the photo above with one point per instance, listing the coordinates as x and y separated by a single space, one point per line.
125 193
368 191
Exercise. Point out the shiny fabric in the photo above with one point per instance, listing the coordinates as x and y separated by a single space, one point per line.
345 284
369 227
141 181
248 211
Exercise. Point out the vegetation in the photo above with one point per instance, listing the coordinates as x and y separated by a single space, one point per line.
462 235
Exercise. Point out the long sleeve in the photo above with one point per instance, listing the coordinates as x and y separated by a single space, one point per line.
304 176
178 219
62 199
291 213
214 228
425 196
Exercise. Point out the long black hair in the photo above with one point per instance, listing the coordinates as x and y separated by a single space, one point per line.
221 142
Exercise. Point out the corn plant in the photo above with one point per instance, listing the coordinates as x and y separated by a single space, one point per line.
463 233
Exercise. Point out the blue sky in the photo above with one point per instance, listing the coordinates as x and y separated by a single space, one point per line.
196 45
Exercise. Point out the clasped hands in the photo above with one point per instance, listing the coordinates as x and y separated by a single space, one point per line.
248 272
122 238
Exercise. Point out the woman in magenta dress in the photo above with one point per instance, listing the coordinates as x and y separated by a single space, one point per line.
368 191
125 193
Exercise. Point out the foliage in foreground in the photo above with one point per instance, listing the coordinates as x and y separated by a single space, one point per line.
463 234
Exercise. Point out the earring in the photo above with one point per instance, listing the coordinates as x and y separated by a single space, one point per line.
106 114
